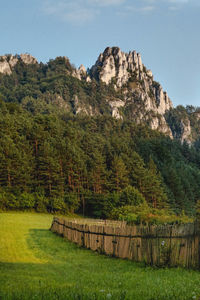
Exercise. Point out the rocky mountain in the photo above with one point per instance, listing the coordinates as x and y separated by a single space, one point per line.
118 84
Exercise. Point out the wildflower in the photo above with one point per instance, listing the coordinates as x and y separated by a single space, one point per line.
162 243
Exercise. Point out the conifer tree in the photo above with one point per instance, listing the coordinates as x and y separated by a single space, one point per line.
119 174
154 192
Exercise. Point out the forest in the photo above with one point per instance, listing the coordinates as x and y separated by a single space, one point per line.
53 160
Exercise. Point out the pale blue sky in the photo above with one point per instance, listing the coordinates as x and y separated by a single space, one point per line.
165 32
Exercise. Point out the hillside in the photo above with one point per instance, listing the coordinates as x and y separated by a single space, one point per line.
77 140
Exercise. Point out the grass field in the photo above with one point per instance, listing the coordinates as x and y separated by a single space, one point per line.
37 264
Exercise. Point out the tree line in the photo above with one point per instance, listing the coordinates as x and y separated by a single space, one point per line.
91 165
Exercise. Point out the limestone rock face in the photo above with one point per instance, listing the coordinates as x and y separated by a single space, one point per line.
159 123
80 73
13 60
4 66
163 101
115 105
149 73
28 59
80 108
82 69
182 129
186 131
127 72
8 62
109 70
115 63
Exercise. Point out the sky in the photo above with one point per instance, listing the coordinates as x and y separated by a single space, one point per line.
165 32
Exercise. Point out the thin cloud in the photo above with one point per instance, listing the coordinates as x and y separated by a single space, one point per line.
130 9
172 4
72 12
106 2
173 8
168 1
175 5
78 12
178 1
79 15
147 8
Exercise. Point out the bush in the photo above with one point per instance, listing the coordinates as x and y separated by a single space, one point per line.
131 196
3 200
100 205
11 201
58 205
41 202
143 214
72 201
26 201
131 214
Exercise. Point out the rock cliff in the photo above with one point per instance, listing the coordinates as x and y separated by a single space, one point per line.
127 72
8 62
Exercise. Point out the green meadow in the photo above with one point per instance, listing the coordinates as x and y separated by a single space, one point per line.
37 264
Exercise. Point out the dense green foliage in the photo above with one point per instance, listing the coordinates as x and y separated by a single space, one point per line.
52 160
37 264
61 163
145 214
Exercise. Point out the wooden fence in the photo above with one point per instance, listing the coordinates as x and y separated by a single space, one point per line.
177 245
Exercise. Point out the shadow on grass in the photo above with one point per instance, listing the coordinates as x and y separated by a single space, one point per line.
57 249
49 246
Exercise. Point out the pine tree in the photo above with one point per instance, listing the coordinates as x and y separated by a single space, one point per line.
138 172
154 192
119 174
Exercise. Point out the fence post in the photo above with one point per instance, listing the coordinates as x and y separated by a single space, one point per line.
197 232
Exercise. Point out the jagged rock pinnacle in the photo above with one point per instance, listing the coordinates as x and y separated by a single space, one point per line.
127 71
8 62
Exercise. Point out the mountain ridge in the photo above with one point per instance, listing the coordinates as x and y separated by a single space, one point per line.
133 93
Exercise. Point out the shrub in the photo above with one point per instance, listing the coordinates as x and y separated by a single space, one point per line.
143 214
131 196
11 201
26 201
72 201
3 200
41 202
58 205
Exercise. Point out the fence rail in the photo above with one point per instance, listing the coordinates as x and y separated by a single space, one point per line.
177 245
